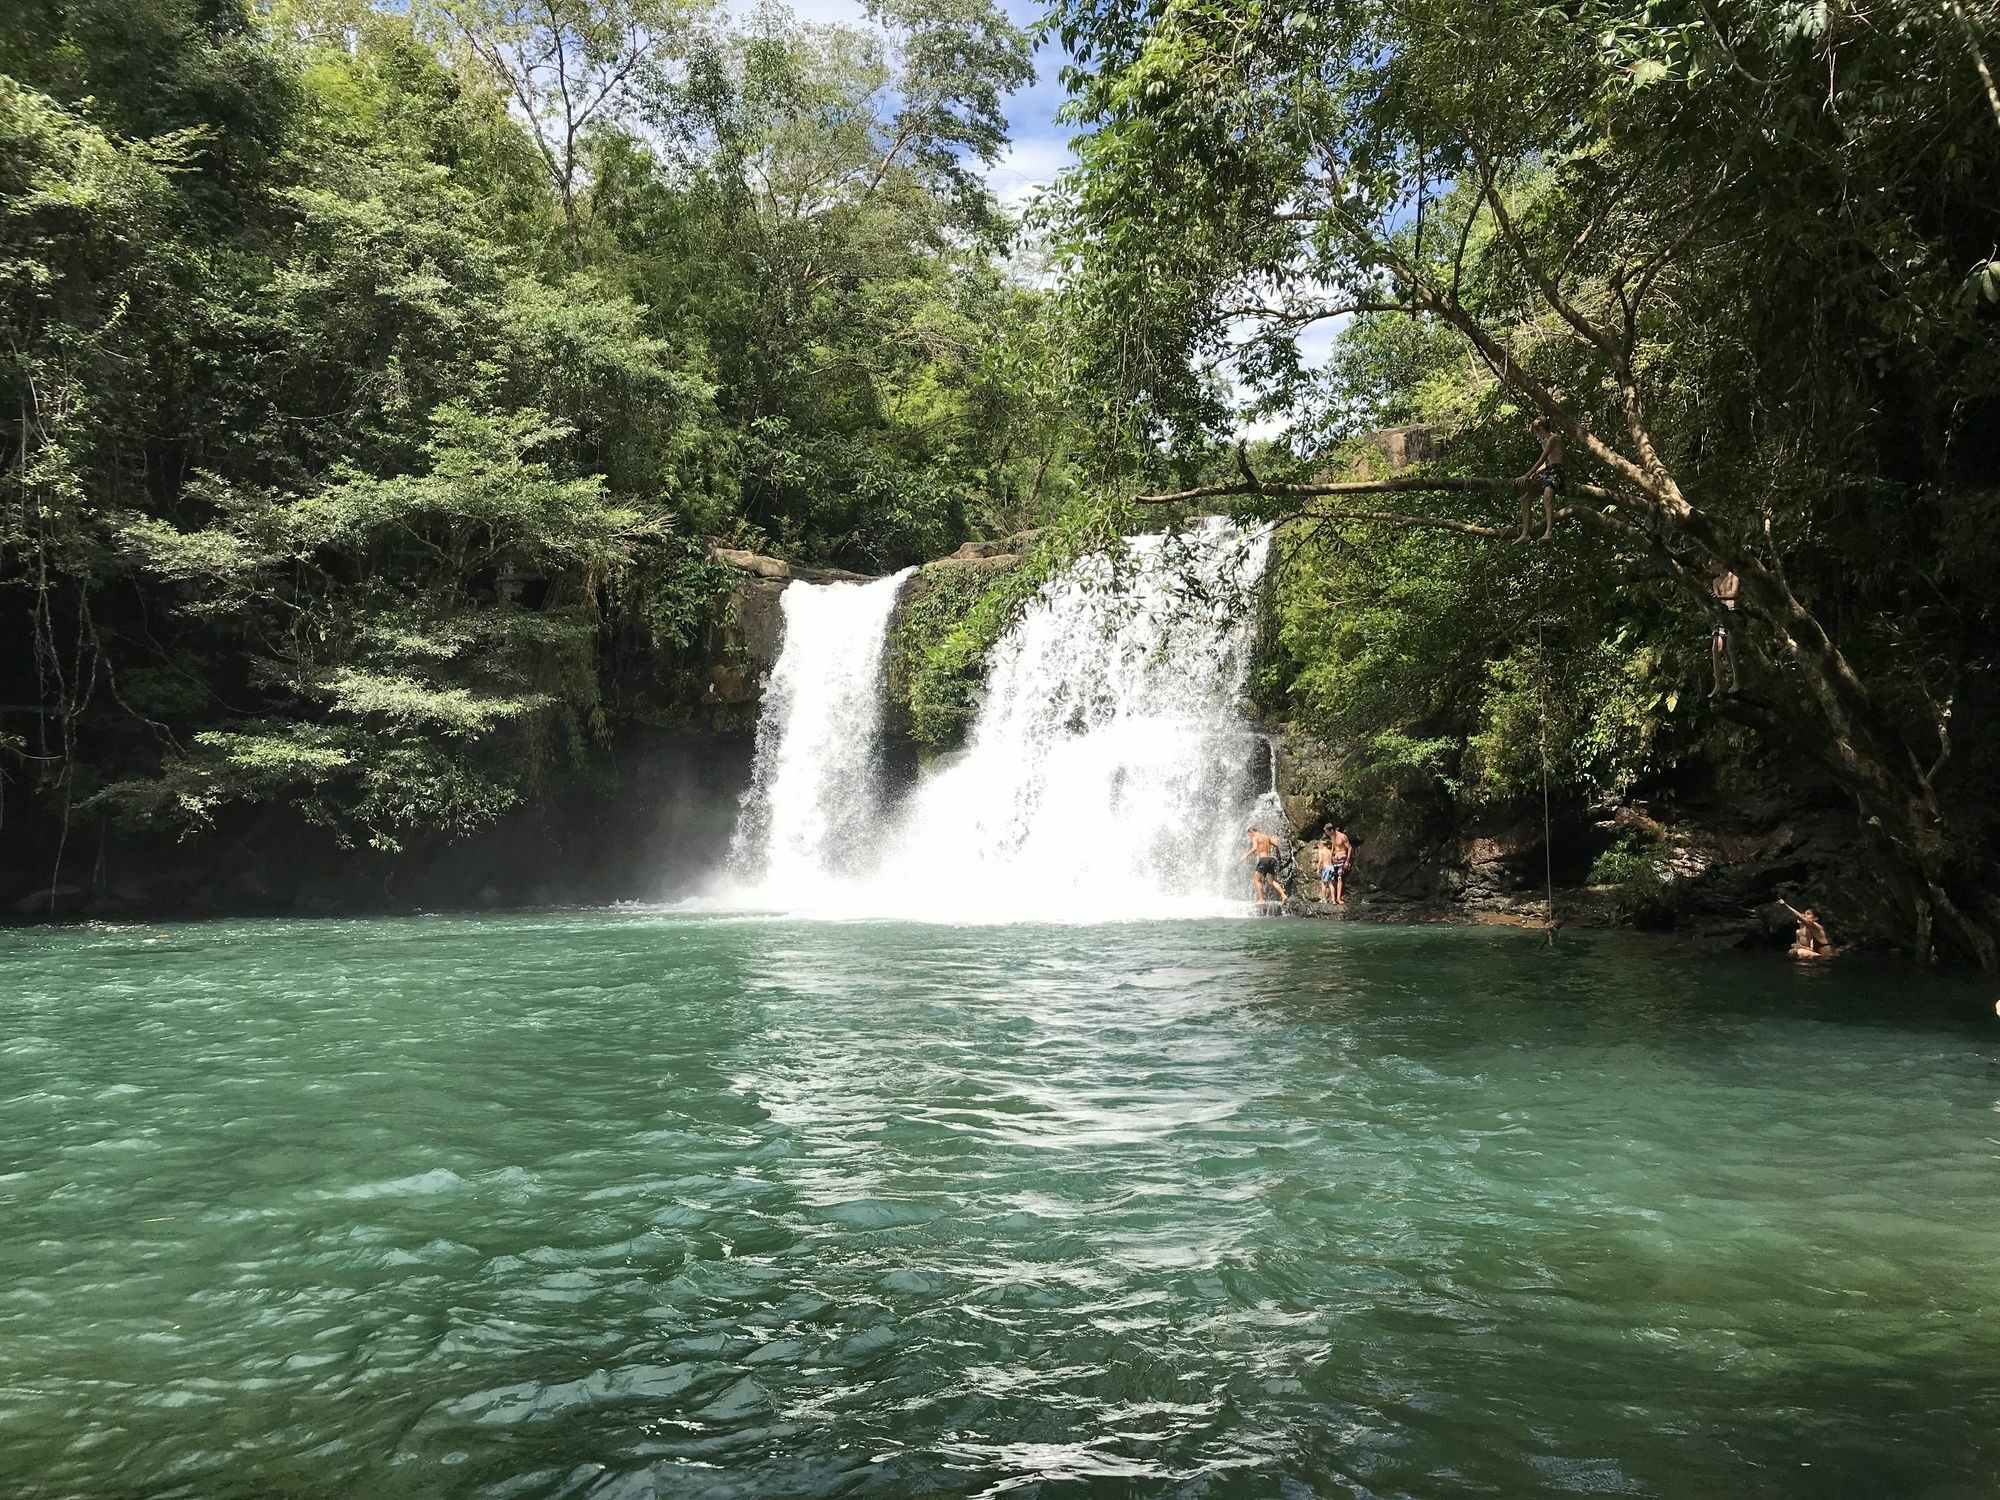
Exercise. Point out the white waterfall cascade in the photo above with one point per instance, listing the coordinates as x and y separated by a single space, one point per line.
1109 774
814 802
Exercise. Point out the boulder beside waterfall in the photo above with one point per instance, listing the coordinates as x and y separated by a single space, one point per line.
748 631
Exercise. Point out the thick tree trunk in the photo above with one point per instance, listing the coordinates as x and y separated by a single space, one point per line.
1934 886
1820 704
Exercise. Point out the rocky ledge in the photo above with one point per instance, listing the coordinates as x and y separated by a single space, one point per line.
749 628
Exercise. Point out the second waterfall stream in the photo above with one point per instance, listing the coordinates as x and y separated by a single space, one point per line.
1109 772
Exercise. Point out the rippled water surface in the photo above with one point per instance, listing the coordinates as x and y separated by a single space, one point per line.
623 1204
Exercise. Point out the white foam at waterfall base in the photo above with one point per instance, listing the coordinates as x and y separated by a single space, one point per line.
1109 772
814 804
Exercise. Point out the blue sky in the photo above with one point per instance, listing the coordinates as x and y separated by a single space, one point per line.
1038 148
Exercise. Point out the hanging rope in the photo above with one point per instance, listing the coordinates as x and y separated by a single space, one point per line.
1548 837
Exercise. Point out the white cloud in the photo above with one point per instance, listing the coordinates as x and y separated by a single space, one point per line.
1028 164
814 12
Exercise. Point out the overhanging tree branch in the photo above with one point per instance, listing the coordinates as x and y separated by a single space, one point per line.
1588 331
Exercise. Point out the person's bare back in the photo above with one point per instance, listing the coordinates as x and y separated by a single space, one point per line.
1264 851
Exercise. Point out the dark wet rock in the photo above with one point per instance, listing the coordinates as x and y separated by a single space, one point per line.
982 552
1307 776
1713 862
744 643
51 901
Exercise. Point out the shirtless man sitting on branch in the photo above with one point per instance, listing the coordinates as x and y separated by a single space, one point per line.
1546 476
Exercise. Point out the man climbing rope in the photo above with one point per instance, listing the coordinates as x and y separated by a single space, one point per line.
1727 588
1548 469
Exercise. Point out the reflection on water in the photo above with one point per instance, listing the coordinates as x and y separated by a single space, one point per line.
620 1205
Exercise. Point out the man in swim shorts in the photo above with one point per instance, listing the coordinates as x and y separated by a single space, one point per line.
1335 850
1727 588
1546 478
1264 850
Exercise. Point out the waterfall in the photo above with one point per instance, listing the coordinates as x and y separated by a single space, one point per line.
1105 773
814 802
1109 771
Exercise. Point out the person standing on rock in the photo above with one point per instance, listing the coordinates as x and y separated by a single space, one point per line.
1336 852
1264 850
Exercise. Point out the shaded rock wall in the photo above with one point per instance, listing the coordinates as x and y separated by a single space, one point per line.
743 643
1708 861
649 824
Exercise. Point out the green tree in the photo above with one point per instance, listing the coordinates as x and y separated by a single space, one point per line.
569 67
1724 249
370 378
819 230
320 500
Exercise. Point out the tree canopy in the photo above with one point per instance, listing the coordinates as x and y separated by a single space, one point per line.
372 377
1739 255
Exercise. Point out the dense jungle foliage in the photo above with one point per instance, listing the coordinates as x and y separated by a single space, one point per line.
1740 255
371 376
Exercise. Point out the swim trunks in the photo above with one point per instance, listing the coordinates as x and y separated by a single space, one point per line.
1267 864
1552 477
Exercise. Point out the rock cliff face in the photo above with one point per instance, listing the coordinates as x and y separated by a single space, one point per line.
653 817
749 629
1710 863
647 822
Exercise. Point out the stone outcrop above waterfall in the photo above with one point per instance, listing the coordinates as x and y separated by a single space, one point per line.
749 628
1400 447
777 570
744 644
973 559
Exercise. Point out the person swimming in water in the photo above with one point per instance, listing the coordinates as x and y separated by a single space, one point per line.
1264 850
1548 470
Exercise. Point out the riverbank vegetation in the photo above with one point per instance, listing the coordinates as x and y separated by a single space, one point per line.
1739 256
372 376
374 379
